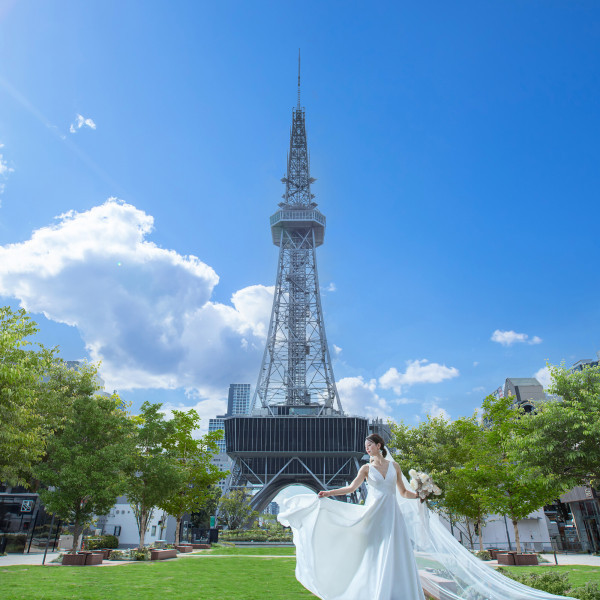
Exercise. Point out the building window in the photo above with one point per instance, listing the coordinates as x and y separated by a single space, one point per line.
117 530
153 530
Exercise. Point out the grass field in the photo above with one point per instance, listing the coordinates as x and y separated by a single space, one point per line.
246 573
578 575
235 576
251 551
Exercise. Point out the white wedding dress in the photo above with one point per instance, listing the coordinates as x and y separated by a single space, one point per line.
353 552
390 548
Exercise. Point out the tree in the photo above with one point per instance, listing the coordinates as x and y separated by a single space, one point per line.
22 431
561 437
201 517
447 451
235 510
84 468
515 489
192 458
152 474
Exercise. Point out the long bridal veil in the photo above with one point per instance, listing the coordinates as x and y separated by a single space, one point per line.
447 569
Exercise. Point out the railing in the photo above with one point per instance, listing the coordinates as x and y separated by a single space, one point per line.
298 215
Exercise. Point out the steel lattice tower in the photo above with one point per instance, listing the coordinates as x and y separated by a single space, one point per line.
297 431
296 368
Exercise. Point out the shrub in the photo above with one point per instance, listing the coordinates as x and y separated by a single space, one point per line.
117 555
102 541
483 555
255 535
552 583
590 591
137 554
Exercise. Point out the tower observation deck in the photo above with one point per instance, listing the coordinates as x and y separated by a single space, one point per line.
297 431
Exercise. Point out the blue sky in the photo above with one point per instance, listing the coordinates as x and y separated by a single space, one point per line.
455 147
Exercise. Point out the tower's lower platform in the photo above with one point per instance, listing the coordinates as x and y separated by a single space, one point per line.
320 452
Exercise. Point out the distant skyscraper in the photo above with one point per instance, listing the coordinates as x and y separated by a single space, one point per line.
217 424
238 402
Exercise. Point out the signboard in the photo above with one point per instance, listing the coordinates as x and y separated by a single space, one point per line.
212 522
27 505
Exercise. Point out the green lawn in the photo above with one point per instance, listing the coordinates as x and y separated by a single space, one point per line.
244 551
578 575
191 577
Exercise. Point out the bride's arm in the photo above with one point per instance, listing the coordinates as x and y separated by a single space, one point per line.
360 477
401 487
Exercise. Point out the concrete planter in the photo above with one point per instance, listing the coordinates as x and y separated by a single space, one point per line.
505 558
184 548
526 559
94 558
158 554
74 559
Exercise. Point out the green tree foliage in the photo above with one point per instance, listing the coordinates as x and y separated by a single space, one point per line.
153 475
564 433
446 450
86 458
192 458
514 488
235 510
201 517
22 427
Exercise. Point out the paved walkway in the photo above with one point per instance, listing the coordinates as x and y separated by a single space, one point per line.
36 559
574 559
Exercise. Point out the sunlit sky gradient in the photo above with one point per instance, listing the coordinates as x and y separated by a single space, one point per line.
455 146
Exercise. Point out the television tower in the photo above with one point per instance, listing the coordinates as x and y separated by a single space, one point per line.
296 432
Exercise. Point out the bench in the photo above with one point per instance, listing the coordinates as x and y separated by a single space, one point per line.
184 548
160 554
201 546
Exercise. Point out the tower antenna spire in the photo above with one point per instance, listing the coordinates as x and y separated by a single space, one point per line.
298 78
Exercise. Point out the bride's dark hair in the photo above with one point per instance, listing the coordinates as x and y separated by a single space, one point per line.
377 439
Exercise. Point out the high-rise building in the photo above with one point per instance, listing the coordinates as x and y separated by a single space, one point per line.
217 424
238 402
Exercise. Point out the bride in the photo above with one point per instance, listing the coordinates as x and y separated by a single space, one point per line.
390 548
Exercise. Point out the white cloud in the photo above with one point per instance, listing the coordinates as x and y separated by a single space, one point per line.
81 121
433 409
479 388
543 376
331 287
146 312
417 371
336 350
5 170
359 397
206 409
508 338
475 363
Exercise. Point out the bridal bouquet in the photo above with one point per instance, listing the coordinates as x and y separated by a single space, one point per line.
423 485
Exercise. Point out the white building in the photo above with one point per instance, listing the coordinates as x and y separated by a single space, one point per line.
120 521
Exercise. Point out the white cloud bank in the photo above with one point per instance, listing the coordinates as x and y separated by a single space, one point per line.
543 376
5 169
146 312
417 371
359 397
508 338
81 121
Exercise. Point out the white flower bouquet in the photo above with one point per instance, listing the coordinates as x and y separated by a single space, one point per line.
422 484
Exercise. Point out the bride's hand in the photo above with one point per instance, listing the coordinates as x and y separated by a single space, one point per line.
324 494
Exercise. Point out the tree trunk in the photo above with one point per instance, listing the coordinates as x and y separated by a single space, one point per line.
517 538
480 530
143 524
77 529
177 528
